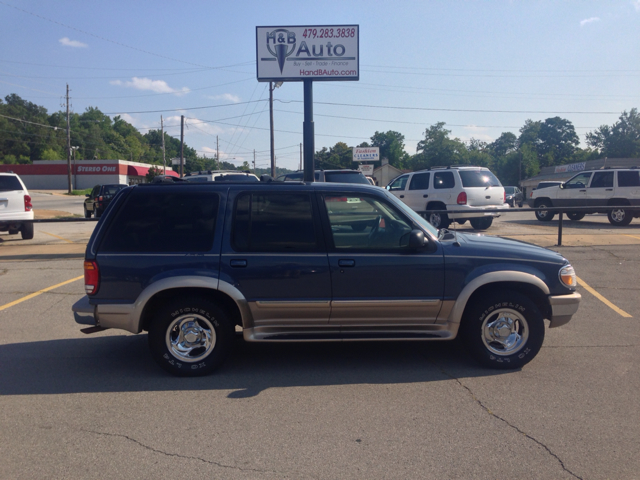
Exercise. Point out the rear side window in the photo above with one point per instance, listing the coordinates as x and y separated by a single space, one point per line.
346 177
163 222
274 222
420 181
443 180
629 179
478 178
9 183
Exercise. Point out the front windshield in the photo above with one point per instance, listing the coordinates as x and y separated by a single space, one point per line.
412 214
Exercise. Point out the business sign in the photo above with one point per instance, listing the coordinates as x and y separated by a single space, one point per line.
366 154
366 170
573 167
294 54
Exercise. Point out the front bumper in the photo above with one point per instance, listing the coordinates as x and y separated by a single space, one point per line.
562 308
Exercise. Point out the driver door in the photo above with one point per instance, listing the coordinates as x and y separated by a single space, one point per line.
573 193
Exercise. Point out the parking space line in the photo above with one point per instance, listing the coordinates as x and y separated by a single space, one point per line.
602 299
61 238
632 236
39 292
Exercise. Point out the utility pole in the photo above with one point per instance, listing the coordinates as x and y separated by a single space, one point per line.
300 157
254 160
68 143
181 146
272 87
164 160
217 154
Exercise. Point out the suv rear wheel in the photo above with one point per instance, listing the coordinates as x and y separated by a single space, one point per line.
27 231
190 337
503 330
438 220
619 216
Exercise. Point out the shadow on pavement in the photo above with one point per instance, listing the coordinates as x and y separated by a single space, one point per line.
123 364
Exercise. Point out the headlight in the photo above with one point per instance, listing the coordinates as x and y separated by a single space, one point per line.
567 276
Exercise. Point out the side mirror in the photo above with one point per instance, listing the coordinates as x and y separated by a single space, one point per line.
561 185
416 239
387 187
88 195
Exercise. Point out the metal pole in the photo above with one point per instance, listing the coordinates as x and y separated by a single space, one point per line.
164 160
217 154
560 230
308 132
68 143
300 157
273 158
181 146
254 160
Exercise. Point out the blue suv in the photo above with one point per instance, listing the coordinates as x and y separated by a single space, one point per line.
295 262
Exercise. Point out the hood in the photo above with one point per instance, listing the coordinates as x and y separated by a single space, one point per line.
475 244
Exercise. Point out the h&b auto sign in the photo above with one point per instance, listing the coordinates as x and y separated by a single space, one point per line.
307 53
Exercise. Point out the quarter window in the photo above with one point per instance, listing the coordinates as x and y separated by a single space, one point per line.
629 179
274 222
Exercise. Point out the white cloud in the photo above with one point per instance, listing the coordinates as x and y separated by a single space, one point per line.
158 86
636 4
72 43
589 20
227 96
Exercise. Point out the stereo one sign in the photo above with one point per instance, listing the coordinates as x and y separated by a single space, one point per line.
329 52
366 154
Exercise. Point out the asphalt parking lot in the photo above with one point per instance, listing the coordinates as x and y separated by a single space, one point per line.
96 406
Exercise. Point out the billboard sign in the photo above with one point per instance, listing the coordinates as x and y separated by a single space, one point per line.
319 52
573 167
366 170
366 154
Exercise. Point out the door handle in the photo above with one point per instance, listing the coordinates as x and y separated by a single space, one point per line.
609 189
425 195
583 190
346 263
238 263
401 196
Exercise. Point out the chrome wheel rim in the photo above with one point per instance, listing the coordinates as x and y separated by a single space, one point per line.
191 338
543 213
435 219
505 332
618 215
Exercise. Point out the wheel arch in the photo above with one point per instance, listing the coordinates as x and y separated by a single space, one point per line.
522 282
433 203
541 199
618 202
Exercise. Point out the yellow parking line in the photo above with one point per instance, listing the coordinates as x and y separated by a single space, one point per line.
632 236
58 237
602 299
3 307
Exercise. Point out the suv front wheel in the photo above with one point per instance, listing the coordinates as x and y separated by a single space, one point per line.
503 330
544 215
190 337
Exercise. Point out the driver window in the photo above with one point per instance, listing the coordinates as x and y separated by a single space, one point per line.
398 183
359 222
579 181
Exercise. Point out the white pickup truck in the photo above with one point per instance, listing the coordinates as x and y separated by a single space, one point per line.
15 206
618 188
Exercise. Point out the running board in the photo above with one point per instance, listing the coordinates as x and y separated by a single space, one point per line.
348 334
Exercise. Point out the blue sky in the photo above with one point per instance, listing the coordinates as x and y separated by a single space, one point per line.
481 67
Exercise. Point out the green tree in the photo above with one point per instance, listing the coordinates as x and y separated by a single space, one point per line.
437 149
391 146
621 140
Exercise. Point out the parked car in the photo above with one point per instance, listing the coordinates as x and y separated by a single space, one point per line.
547 184
298 262
99 198
15 206
332 176
452 188
617 188
514 196
221 176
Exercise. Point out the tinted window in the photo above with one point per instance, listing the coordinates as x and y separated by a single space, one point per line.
274 222
602 180
199 179
399 183
509 190
163 222
629 179
359 222
9 183
235 177
420 181
112 189
443 180
478 178
346 177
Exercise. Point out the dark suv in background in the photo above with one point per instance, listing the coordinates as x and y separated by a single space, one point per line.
99 198
295 262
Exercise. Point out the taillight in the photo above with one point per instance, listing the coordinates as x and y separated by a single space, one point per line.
27 203
504 199
91 277
100 198
462 198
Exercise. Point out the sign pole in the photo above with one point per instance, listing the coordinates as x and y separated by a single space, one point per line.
308 132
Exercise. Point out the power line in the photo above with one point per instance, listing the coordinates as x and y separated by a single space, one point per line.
183 109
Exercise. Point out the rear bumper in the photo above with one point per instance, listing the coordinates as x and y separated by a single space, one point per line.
84 313
14 219
562 308
473 212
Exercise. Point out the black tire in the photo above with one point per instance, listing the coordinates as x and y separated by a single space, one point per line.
87 213
520 205
98 213
27 231
619 216
481 223
509 313
212 335
544 215
575 216
438 220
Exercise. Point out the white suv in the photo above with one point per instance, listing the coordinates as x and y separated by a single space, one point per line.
618 188
15 206
452 188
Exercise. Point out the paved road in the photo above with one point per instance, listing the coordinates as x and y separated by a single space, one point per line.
77 406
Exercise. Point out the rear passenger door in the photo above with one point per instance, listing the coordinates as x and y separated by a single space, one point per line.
417 196
274 255
600 189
